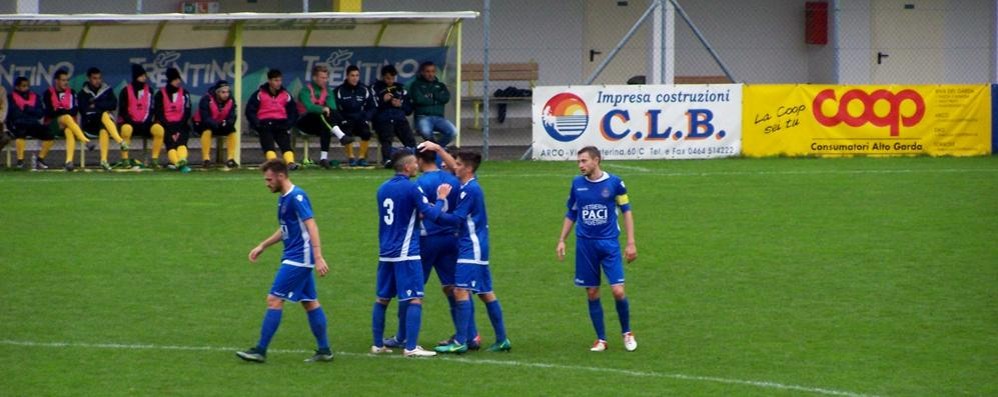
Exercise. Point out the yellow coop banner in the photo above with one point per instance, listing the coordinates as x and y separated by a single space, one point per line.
884 120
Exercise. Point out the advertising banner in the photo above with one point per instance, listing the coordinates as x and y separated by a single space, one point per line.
637 121
201 68
830 120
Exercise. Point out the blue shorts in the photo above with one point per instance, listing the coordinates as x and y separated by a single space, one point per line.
400 279
475 278
439 252
590 255
294 283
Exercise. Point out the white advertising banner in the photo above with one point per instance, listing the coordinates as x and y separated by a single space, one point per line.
632 122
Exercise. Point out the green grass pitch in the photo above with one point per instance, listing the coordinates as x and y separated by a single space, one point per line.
754 277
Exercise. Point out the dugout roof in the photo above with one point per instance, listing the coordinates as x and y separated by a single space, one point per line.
194 31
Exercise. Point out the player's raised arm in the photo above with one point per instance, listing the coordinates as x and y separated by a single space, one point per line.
273 239
313 232
444 156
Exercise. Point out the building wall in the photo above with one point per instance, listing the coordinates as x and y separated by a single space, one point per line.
762 41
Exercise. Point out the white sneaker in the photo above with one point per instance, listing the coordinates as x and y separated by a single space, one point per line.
380 350
598 346
418 352
629 342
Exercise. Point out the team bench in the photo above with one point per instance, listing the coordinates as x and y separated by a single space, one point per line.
472 72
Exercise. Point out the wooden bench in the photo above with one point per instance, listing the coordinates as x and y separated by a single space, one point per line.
472 72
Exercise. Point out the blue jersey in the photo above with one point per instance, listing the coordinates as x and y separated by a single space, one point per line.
399 202
472 223
429 182
293 209
592 205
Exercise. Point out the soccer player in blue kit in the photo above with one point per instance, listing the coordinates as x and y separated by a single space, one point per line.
472 274
438 245
400 271
592 203
302 252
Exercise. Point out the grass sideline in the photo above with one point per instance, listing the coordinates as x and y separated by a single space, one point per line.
754 277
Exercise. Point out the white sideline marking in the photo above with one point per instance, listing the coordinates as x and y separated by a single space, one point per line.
384 176
511 363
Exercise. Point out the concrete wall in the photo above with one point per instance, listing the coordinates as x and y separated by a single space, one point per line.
522 30
970 35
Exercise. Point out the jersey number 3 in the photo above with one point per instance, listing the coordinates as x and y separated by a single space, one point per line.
389 206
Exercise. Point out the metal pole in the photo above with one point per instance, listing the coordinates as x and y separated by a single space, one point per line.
304 6
138 6
457 85
486 14
703 40
237 88
620 45
661 41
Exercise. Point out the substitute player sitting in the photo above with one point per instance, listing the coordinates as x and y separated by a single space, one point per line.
271 112
302 253
173 112
97 105
318 113
135 114
60 112
592 204
216 116
355 103
393 105
24 119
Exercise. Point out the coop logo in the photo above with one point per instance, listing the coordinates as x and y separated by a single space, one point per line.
565 117
893 119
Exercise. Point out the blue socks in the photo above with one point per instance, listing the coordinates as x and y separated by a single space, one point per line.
413 316
624 312
403 307
596 314
495 315
317 321
472 329
464 313
453 309
271 321
378 323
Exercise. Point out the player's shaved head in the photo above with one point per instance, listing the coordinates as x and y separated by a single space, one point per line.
404 162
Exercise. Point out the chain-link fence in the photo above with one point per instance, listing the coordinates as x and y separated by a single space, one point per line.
760 41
